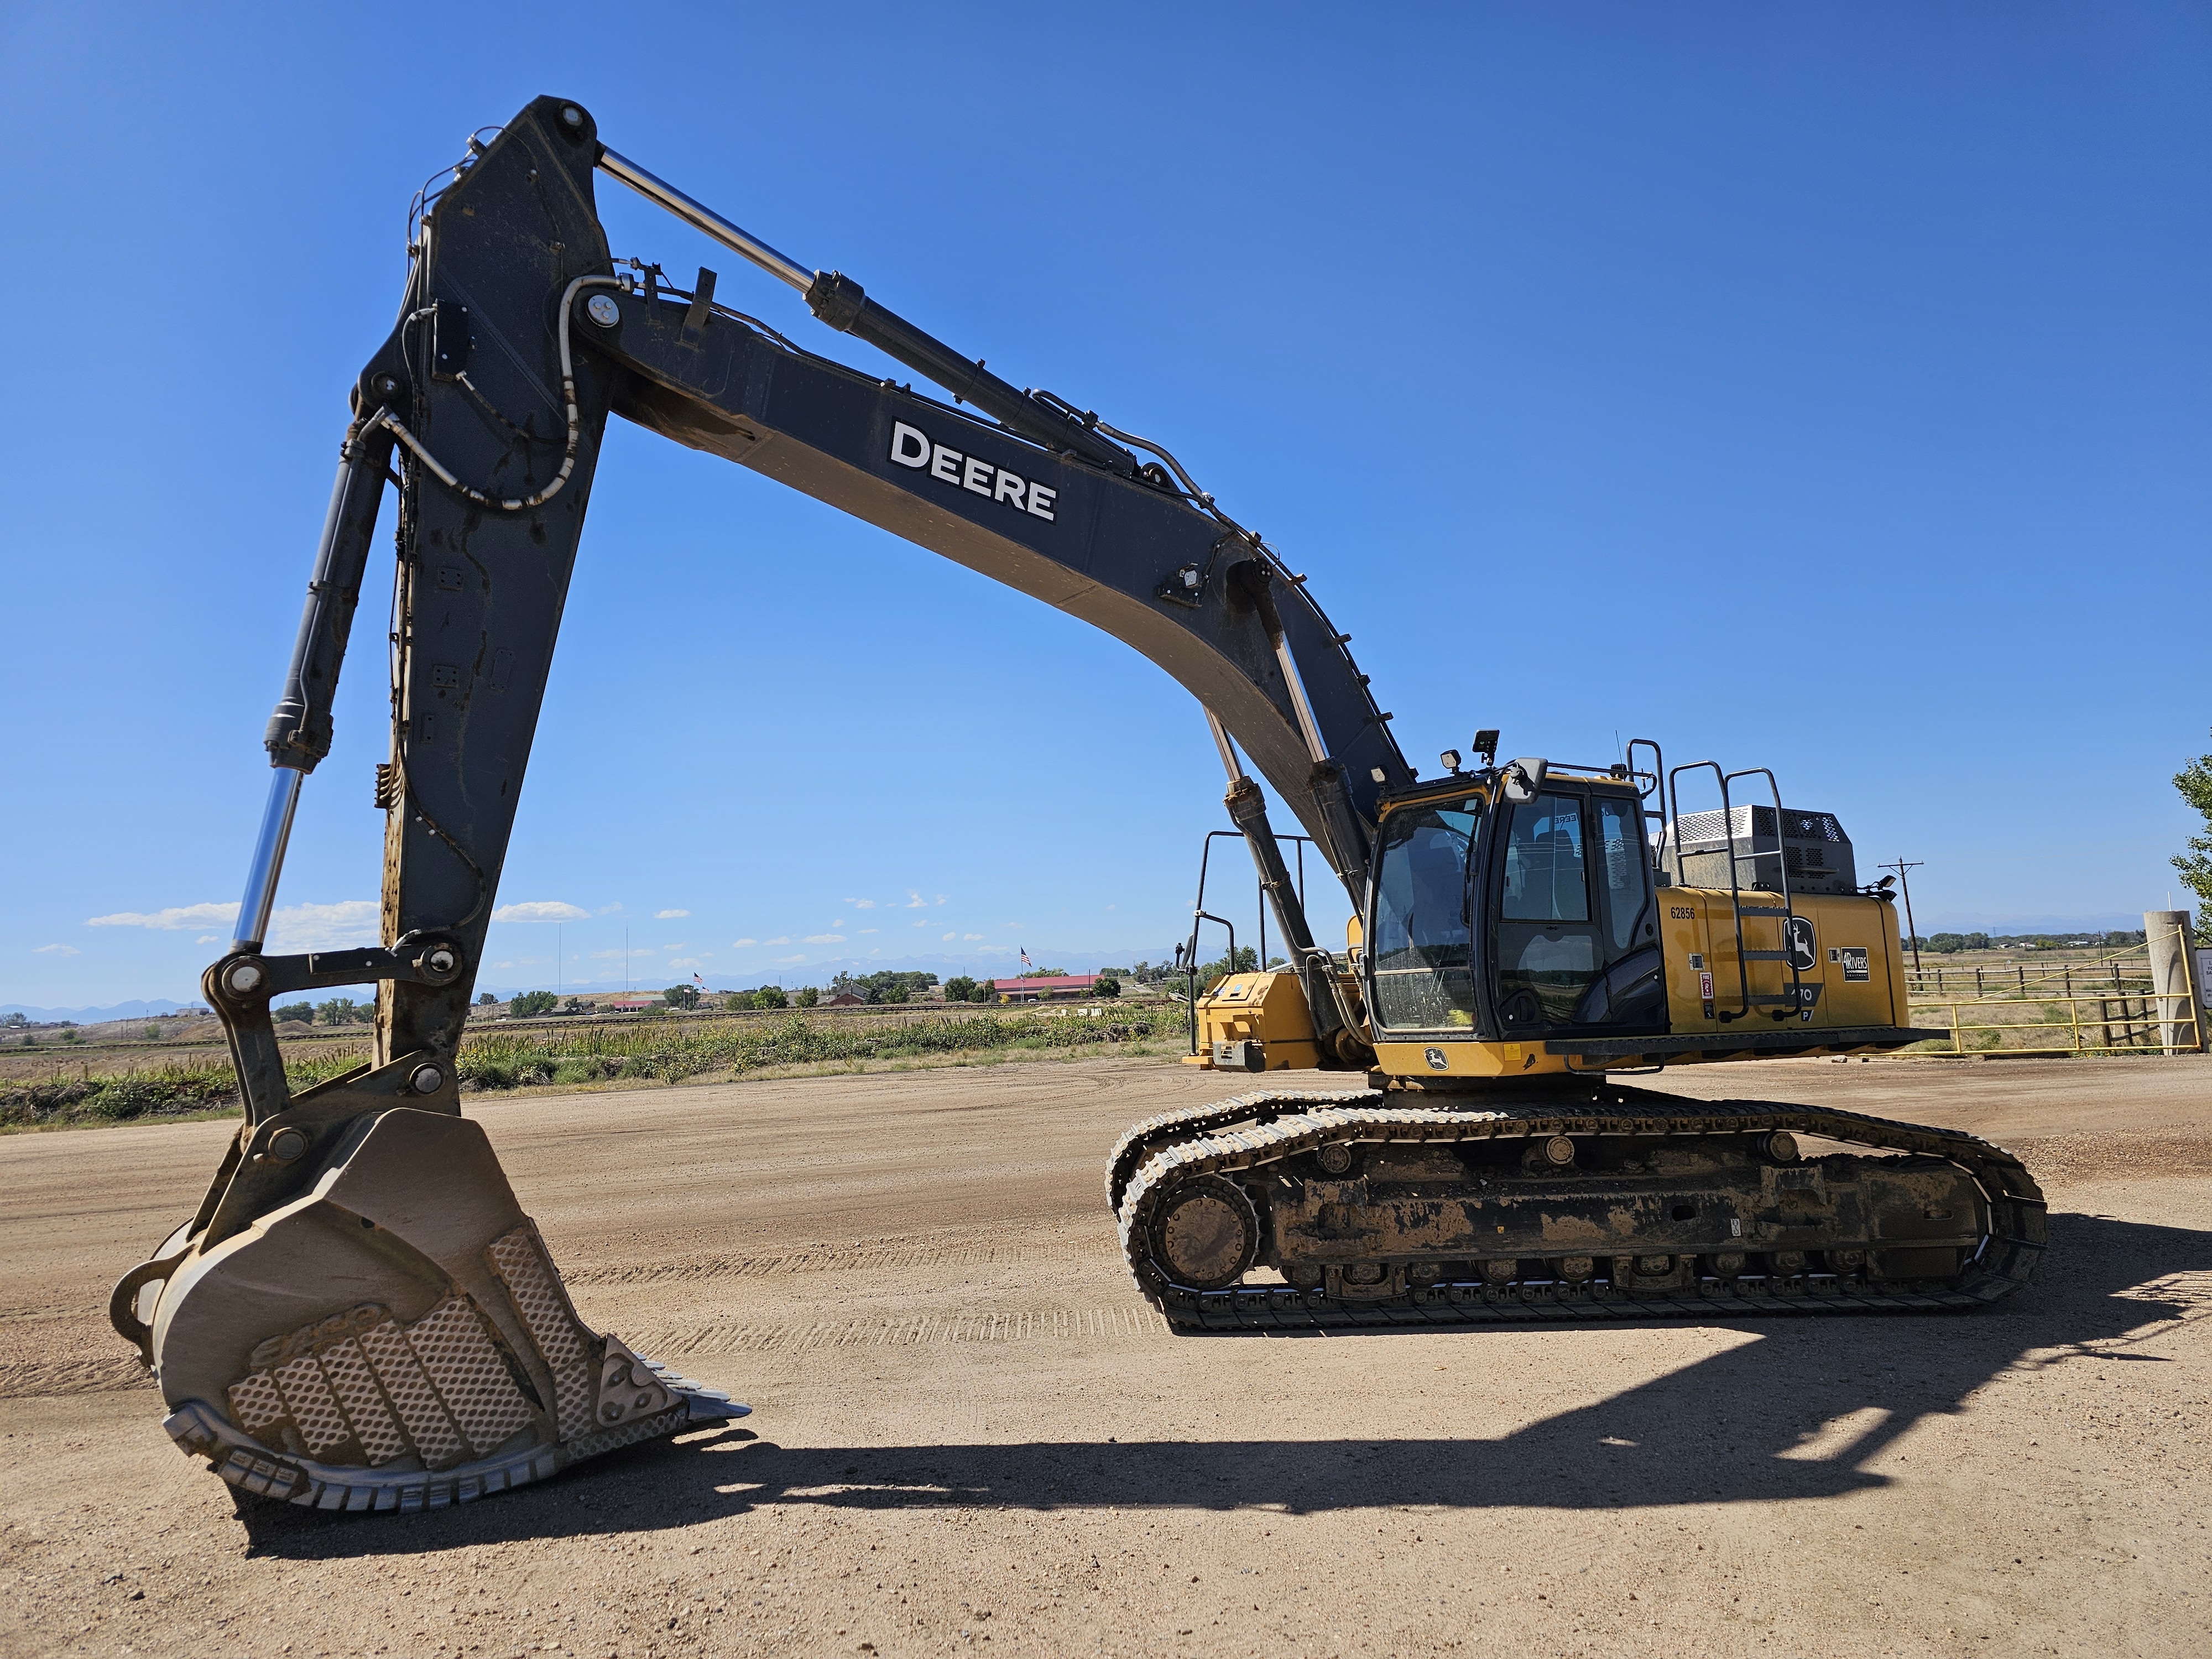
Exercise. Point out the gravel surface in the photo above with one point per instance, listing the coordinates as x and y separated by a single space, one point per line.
970 1434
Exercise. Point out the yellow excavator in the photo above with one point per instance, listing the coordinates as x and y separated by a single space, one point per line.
360 1315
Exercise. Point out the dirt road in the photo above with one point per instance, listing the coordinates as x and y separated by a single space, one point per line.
970 1434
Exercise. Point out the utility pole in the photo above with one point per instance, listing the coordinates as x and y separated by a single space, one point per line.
1911 931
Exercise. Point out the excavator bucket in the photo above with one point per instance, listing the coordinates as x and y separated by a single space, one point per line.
396 1338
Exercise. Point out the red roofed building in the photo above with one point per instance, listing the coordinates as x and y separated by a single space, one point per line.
1045 987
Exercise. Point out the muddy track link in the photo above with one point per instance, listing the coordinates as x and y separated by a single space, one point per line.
1252 1131
1142 1139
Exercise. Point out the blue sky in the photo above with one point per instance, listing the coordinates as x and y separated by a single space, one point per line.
1814 386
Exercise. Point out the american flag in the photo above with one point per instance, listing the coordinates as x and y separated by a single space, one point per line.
1026 963
696 979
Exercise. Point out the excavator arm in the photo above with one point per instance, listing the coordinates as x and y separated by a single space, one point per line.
359 1315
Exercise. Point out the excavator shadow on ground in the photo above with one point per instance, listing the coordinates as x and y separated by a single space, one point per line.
1798 1413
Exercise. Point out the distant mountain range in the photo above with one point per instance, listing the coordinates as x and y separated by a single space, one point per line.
981 965
1001 964
93 1016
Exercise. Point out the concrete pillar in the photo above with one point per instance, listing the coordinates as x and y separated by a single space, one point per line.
2173 979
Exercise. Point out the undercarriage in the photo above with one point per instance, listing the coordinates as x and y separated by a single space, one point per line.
1289 1209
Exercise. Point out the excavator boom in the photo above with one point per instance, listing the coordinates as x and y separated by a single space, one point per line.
358 1314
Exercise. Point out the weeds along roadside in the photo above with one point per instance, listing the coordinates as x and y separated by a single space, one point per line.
499 1061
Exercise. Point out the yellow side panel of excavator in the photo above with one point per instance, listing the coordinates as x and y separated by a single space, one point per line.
1255 1023
1849 972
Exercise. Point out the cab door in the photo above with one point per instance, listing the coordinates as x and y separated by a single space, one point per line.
1573 942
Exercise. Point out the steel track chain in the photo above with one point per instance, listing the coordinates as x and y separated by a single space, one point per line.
1131 1150
2005 1261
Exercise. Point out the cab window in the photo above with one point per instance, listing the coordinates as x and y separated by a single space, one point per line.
1545 880
1423 945
1622 857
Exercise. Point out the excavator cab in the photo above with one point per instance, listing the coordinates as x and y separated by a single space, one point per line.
1499 919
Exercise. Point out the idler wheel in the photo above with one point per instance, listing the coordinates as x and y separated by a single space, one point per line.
1206 1234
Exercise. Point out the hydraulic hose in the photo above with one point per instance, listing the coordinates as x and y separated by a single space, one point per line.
385 418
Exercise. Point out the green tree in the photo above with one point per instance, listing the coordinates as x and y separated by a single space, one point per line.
888 985
2194 781
681 996
808 996
960 989
771 996
1106 986
1242 960
487 1001
302 1011
531 1004
338 1011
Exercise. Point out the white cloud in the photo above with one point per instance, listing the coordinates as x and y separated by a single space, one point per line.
861 905
670 916
634 953
871 930
209 939
56 951
779 940
826 939
1015 924
949 938
939 899
609 910
967 936
299 927
175 919
741 944
686 963
541 911
915 901
800 958
1109 907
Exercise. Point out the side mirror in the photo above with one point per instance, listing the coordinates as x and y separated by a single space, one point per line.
1524 779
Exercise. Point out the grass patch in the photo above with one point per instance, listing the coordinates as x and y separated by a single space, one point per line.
498 1061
